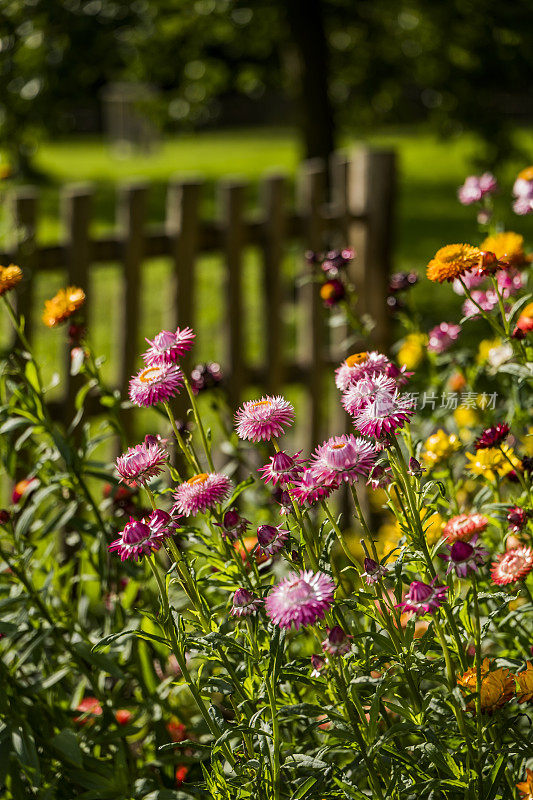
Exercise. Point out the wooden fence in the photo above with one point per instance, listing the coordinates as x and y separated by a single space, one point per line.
347 203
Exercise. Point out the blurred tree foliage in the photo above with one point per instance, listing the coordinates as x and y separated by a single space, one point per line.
341 63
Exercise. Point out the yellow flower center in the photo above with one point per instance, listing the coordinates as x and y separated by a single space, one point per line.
150 374
338 446
356 358
261 403
200 478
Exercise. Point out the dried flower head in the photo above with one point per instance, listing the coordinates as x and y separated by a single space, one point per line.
517 518
65 303
506 245
497 687
463 527
300 599
261 420
526 787
139 464
343 458
271 539
167 347
492 463
141 538
9 277
244 604
512 566
201 492
452 261
524 679
492 437
464 557
360 365
423 598
155 385
311 489
282 468
337 642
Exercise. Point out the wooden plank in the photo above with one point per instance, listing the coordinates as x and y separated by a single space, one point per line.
231 205
273 203
372 184
76 205
311 196
25 254
131 217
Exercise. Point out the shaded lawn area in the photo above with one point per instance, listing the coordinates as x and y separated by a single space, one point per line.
429 216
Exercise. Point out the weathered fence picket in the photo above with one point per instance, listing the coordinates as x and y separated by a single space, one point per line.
357 213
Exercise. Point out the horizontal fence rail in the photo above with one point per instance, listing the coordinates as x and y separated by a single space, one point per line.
348 203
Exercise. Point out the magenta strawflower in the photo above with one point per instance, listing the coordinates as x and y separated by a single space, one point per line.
343 458
380 477
360 365
442 336
244 603
485 300
423 598
260 420
282 468
310 489
367 390
492 437
232 525
464 557
139 464
400 374
300 599
271 539
517 518
140 538
168 347
337 642
201 492
155 385
384 415
374 572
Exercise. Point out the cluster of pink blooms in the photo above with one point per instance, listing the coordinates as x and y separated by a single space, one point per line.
476 188
442 336
139 464
141 538
523 192
509 283
161 379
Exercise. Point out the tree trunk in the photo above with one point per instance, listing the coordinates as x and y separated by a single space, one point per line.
306 24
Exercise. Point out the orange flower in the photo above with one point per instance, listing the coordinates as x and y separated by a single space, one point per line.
526 787
506 245
525 684
249 543
497 687
63 305
9 277
452 261
526 174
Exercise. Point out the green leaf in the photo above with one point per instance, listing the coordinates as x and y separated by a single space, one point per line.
239 489
67 744
304 788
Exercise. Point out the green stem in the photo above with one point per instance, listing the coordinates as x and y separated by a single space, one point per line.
199 423
340 536
179 438
275 732
478 688
362 520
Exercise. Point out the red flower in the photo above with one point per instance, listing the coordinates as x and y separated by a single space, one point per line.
512 566
24 487
89 707
123 716
492 437
177 730
181 774
464 526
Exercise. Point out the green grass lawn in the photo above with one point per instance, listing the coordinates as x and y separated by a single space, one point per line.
429 216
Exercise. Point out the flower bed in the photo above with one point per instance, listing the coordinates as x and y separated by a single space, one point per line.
172 630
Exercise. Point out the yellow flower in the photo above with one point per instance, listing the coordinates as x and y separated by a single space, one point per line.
389 535
526 787
9 277
485 346
506 245
65 303
412 350
465 417
440 446
525 684
491 463
497 687
433 524
452 261
528 442
526 174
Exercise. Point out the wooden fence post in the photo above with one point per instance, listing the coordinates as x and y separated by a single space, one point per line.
231 199
311 198
131 216
273 195
25 221
76 212
372 184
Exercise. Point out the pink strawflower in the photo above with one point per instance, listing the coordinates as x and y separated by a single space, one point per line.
423 598
512 566
310 489
485 300
141 538
475 188
343 458
471 279
300 599
260 420
360 365
366 390
139 464
374 572
168 347
523 192
464 526
201 492
510 281
464 557
442 336
337 642
384 415
155 385
380 477
282 468
318 663
271 539
517 518
244 603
